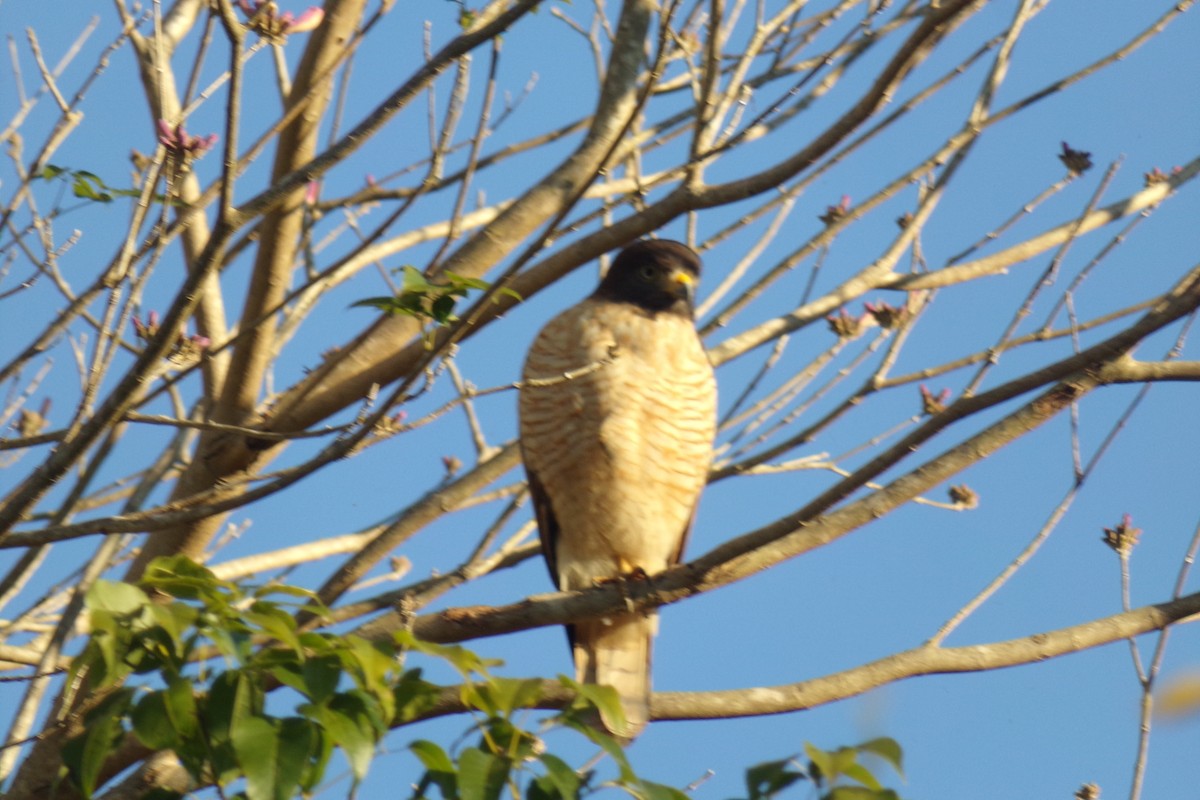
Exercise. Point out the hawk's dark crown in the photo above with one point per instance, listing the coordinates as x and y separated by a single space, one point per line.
657 275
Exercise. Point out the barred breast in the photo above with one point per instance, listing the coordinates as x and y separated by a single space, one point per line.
617 426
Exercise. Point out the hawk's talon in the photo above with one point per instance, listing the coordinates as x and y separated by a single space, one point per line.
622 580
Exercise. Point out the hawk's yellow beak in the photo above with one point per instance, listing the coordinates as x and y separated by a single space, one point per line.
686 280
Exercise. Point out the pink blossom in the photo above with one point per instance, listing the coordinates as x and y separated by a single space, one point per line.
177 140
265 18
307 21
146 330
933 404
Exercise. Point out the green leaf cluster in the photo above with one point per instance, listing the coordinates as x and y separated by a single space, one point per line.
208 652
506 759
215 650
85 185
428 301
211 651
837 774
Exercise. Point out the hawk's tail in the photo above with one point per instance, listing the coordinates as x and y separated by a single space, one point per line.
615 651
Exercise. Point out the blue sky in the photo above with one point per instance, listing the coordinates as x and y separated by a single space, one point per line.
1034 731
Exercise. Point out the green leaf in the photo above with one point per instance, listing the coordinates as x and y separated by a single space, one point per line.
174 621
165 719
464 282
559 774
89 187
181 705
117 598
155 649
414 281
770 777
501 737
256 746
321 677
104 654
822 764
181 577
371 663
463 660
606 743
542 788
863 775
232 698
348 723
442 309
422 298
320 751
439 769
275 622
888 749
84 755
412 696
299 741
392 305
605 699
432 756
510 694
273 755
843 759
285 666
648 790
231 640
481 775
266 590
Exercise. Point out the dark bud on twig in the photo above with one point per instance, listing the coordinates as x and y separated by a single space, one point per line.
188 350
886 315
933 404
834 213
1157 176
1077 162
30 422
963 496
141 162
146 330
389 426
1123 537
845 325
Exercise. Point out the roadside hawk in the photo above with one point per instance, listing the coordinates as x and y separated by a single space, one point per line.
617 416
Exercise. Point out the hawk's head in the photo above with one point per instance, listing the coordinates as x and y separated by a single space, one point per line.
653 274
